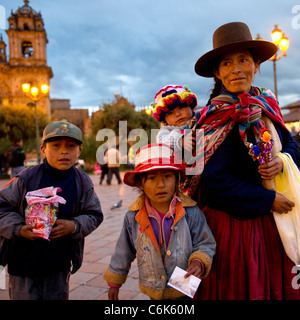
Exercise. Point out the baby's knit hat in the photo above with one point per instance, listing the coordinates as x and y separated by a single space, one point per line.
171 97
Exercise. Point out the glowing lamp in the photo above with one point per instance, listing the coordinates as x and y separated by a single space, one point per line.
276 35
284 44
34 91
148 111
44 88
26 87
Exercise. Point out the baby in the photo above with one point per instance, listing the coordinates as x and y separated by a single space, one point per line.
174 108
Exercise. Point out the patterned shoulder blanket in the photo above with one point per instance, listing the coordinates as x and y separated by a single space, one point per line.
225 111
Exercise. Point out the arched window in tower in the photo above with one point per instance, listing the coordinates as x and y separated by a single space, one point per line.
27 49
26 27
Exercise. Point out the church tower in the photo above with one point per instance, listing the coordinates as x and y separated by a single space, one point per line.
2 50
27 56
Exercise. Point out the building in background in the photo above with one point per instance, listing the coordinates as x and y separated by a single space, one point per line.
61 110
27 60
292 119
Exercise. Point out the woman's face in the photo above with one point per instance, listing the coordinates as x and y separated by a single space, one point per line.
236 71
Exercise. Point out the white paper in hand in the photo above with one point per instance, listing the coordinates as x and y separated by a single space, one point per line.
188 285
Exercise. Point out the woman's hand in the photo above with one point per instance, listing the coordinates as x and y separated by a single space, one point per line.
270 170
281 204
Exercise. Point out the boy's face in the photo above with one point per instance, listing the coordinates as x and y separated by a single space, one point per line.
61 153
159 186
179 116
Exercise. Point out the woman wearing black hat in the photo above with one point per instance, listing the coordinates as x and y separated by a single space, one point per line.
250 262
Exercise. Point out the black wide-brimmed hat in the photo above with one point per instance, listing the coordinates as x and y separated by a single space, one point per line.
230 37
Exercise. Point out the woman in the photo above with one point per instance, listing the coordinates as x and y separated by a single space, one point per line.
250 262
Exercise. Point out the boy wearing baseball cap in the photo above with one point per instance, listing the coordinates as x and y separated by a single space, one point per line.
162 229
38 268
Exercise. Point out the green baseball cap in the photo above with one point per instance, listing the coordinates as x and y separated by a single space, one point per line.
62 129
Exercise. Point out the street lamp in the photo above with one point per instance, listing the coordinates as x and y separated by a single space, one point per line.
282 43
36 93
149 110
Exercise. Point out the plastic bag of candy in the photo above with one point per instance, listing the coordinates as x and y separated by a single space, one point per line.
42 208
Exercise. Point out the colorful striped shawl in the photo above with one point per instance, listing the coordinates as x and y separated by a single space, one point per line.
225 111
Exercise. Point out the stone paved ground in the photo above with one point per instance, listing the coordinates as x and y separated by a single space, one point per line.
88 282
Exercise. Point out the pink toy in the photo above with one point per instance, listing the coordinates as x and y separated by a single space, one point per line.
42 210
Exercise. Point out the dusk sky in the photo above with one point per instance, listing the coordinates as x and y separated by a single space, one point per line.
99 48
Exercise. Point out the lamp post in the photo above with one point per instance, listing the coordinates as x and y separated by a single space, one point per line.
35 93
149 110
282 43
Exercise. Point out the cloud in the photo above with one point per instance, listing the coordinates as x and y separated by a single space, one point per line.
98 48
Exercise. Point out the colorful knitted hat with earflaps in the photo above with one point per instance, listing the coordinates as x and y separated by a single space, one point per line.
171 97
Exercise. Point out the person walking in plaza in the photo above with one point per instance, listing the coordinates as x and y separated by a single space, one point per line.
162 229
112 158
40 269
104 169
16 157
250 262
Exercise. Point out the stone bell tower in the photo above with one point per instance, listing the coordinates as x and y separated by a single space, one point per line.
2 50
27 56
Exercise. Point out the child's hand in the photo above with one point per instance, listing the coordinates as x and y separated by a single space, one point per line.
113 294
26 232
61 228
195 268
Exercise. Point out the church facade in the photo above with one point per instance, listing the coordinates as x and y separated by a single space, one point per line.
27 59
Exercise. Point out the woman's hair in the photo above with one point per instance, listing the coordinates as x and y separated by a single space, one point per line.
215 91
218 83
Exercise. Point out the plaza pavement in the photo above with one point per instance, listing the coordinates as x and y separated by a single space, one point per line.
88 283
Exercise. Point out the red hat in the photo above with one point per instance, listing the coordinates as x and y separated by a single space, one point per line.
155 156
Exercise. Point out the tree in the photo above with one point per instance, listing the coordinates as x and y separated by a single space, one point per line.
109 116
120 109
19 122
